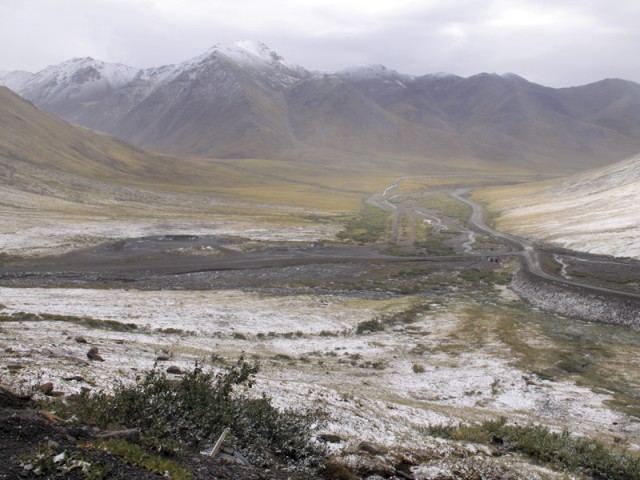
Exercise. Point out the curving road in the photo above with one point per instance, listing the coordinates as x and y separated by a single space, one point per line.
527 249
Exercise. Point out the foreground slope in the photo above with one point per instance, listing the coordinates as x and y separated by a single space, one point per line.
595 212
243 100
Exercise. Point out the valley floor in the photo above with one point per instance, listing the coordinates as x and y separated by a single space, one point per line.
386 347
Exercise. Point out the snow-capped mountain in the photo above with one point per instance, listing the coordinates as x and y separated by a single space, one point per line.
159 107
244 100
14 80
372 72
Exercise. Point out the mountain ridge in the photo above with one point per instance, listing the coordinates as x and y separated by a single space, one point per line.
243 100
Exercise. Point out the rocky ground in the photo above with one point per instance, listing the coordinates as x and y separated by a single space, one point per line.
34 443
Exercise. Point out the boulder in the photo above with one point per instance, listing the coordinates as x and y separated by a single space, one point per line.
94 354
372 448
46 388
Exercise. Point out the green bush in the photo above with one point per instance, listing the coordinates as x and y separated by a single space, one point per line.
417 368
194 411
369 326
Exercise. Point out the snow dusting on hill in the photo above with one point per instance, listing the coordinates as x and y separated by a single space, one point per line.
595 212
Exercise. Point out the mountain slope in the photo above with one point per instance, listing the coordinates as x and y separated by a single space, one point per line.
29 137
511 118
595 212
46 162
226 103
243 100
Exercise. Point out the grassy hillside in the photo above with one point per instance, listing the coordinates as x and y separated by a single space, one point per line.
38 149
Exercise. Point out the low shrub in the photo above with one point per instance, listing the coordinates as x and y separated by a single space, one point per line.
88 322
560 450
417 368
194 411
369 326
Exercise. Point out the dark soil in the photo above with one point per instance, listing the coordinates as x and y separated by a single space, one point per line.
154 263
26 431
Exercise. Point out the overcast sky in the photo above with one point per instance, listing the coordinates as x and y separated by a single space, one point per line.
553 42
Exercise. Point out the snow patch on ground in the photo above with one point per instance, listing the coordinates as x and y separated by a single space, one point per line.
22 237
310 356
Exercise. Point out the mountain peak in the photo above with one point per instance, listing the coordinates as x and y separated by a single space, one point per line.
83 70
249 52
370 72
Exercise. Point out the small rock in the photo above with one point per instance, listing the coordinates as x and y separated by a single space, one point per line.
46 388
15 367
330 438
52 444
75 378
163 357
60 457
371 448
12 400
405 475
50 417
175 370
130 434
81 340
8 350
94 354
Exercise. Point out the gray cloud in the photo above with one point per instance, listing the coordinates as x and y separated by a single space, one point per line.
554 43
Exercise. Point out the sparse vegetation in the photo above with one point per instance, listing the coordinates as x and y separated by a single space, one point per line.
488 276
368 226
559 450
404 317
418 368
434 244
446 205
369 326
194 411
136 456
88 322
171 331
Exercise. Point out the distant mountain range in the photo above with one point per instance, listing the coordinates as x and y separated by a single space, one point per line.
243 100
